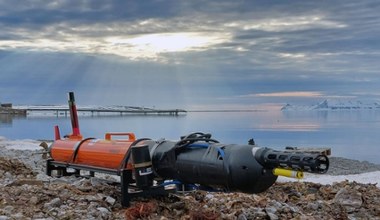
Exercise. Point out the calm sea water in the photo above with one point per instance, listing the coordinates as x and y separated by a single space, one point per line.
351 134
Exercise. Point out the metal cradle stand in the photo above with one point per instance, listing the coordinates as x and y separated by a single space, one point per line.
128 187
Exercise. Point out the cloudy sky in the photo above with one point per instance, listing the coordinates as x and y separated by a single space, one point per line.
194 54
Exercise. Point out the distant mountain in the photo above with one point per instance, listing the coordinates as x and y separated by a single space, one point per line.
336 105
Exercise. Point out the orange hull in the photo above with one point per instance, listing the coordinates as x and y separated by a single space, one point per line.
92 152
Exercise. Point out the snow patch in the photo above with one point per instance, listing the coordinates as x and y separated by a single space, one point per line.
26 144
365 178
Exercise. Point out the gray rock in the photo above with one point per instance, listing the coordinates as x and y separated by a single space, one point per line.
95 181
93 198
104 212
55 202
38 215
312 206
93 205
3 217
8 209
271 209
110 200
34 200
44 218
293 208
18 216
79 181
242 217
275 204
350 200
8 175
255 213
61 213
209 196
306 217
43 177
272 216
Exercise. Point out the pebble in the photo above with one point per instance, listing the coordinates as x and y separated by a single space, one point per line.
55 202
209 196
34 200
18 216
271 209
8 176
104 211
8 209
110 200
272 216
312 206
242 217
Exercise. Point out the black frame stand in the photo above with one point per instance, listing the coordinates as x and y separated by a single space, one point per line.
128 188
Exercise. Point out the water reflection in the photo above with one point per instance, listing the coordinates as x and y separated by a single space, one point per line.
351 134
293 126
335 118
6 120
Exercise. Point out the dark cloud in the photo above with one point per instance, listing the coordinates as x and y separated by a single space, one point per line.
82 11
259 47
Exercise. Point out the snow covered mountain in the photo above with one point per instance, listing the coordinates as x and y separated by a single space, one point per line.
336 105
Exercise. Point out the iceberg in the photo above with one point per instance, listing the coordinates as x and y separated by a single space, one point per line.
330 104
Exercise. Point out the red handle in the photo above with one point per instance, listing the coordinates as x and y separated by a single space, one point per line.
131 136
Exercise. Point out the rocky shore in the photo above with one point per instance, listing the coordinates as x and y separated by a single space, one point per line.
27 193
